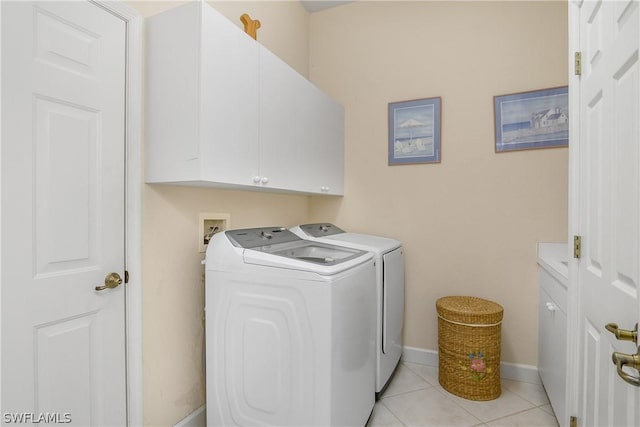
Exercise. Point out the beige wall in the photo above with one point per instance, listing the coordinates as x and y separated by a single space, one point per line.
173 287
470 224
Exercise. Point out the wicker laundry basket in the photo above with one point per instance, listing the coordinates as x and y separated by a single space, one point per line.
469 346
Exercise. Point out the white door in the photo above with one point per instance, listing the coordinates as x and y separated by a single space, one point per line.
63 163
608 217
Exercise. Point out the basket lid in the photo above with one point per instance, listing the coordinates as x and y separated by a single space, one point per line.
471 310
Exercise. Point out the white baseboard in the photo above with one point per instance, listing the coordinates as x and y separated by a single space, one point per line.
420 356
509 371
518 372
197 418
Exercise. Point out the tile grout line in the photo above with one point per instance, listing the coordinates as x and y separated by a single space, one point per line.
452 397
392 413
426 384
517 413
442 392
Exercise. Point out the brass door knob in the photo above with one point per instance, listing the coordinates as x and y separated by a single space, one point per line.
631 360
112 280
623 334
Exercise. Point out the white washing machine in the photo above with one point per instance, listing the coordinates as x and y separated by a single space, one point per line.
289 331
389 260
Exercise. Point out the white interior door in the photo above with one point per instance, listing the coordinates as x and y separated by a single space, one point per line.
609 208
63 169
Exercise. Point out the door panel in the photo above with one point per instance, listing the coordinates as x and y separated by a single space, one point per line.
591 371
53 342
63 80
66 186
64 45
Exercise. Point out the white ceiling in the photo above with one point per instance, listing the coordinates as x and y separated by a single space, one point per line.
317 5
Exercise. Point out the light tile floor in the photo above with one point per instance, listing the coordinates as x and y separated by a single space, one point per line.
415 398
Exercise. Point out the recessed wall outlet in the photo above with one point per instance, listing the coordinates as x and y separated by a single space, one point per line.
210 224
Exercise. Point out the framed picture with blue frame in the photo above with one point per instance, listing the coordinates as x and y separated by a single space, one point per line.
530 120
415 131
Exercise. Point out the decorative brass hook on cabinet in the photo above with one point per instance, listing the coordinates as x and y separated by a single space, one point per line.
250 26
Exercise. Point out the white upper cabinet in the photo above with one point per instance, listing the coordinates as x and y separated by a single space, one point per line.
223 111
301 131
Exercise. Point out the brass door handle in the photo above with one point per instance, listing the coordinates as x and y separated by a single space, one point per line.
112 280
632 360
623 334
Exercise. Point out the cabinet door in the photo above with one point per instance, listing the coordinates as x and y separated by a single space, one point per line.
284 127
301 131
552 354
229 92
172 95
326 143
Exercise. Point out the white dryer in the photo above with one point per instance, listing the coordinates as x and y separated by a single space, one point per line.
389 260
289 331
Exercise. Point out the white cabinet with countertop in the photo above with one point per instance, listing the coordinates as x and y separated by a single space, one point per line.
223 111
552 324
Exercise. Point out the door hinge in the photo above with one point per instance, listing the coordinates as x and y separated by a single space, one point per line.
126 276
573 421
577 56
577 246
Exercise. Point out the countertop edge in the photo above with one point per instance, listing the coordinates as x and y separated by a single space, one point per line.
550 258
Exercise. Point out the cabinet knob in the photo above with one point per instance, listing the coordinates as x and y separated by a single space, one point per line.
265 180
551 306
256 179
324 189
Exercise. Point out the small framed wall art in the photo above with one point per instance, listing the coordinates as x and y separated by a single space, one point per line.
414 131
529 120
